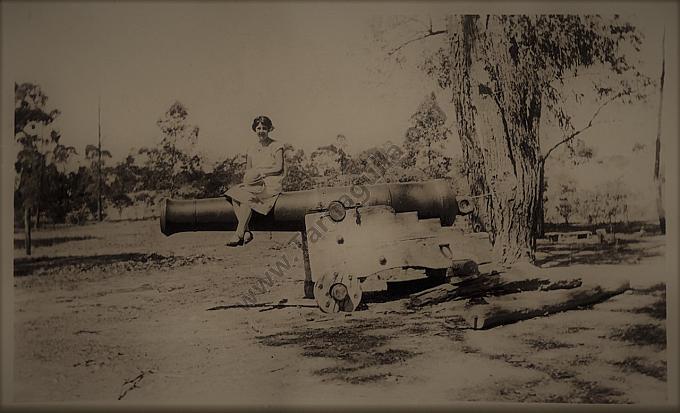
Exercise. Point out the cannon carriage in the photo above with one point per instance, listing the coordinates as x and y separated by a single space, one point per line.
348 233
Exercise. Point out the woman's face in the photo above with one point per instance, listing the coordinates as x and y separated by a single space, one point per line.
261 130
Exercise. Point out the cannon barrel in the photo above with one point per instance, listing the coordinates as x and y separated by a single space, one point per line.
432 199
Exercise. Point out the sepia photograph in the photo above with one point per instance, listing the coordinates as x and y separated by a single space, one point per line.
339 203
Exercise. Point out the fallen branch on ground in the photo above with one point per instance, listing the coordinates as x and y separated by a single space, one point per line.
265 306
494 283
129 385
517 307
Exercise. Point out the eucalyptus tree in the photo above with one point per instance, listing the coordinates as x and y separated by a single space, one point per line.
40 154
425 138
505 73
171 160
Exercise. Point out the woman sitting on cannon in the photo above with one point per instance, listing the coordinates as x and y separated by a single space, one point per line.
261 185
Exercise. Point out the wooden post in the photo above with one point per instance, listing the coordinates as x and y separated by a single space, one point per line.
27 230
99 161
309 284
540 205
657 161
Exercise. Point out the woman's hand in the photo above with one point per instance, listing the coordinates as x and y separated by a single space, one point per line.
252 175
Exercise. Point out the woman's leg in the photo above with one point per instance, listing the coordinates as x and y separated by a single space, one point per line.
243 214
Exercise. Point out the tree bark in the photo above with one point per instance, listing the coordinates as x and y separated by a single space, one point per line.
462 37
518 99
657 162
497 96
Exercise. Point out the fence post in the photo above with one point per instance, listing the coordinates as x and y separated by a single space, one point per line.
27 229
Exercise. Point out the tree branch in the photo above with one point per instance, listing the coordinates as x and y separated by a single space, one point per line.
588 125
428 33
586 74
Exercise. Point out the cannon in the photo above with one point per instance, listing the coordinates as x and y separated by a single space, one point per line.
346 233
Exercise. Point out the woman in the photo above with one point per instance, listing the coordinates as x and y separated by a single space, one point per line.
261 182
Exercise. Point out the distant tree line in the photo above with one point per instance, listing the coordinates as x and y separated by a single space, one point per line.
607 203
57 184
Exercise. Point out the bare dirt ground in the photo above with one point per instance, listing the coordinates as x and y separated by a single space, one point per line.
119 313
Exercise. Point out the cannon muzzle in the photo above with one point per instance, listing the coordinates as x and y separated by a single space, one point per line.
432 199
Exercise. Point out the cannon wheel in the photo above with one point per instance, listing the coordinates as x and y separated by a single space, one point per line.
309 289
337 292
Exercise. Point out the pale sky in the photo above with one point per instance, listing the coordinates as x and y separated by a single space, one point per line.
311 68
314 68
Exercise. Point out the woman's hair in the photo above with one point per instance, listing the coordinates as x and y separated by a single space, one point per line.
263 120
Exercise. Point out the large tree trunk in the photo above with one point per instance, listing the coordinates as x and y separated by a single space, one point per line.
498 103
658 179
463 32
514 169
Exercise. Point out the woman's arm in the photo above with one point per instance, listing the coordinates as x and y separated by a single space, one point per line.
249 161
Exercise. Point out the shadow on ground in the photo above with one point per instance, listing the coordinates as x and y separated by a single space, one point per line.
353 347
20 243
44 265
657 309
624 251
357 349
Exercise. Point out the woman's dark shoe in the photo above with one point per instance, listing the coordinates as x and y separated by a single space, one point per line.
247 237
234 242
